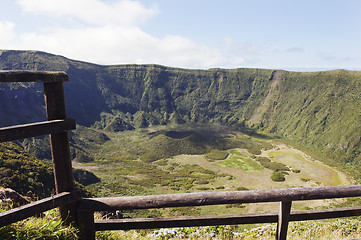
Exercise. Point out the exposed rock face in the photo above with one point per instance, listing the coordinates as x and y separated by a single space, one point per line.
10 198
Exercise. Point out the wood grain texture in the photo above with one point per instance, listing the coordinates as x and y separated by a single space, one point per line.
36 129
38 207
215 198
33 76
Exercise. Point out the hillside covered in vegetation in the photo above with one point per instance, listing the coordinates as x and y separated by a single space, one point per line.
318 109
24 173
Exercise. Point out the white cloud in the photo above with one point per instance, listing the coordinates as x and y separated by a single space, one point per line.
6 32
227 41
109 33
123 44
95 12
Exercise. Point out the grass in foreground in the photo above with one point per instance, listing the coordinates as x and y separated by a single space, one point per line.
50 226
322 230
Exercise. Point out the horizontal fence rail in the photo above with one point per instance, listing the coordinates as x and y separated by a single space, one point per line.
36 129
87 206
34 208
183 221
191 221
215 198
32 76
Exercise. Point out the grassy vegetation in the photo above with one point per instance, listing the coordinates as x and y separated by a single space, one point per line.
24 173
274 166
47 227
123 170
215 155
340 229
163 142
279 169
319 111
135 177
50 227
278 177
238 160
131 175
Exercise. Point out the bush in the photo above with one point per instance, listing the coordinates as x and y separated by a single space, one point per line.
85 177
201 182
149 157
215 155
83 158
278 177
254 150
275 166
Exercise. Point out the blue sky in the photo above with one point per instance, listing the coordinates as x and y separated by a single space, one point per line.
292 34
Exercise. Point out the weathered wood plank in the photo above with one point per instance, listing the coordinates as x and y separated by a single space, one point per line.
38 207
60 149
32 76
36 129
85 223
190 221
325 213
183 221
215 198
283 220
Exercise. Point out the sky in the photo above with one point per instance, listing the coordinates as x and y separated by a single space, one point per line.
197 34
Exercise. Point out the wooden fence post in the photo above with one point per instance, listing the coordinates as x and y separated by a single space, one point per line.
85 222
60 149
283 220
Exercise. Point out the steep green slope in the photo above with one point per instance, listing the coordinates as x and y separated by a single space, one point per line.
30 176
320 109
24 173
150 94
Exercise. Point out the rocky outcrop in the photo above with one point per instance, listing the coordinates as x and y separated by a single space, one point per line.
9 198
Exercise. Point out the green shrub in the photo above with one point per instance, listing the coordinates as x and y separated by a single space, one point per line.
24 173
83 158
85 177
278 177
201 182
305 179
215 155
275 166
149 157
254 150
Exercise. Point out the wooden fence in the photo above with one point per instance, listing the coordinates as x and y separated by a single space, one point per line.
86 208
57 126
80 211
